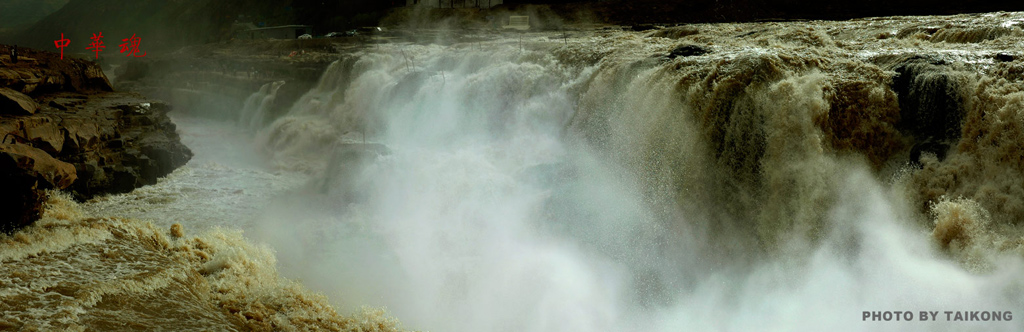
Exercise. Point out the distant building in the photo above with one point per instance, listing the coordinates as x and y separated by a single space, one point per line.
278 32
454 3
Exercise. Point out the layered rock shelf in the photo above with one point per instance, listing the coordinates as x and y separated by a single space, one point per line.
214 80
64 127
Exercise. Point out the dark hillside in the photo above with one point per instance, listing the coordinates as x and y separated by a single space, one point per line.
16 13
160 24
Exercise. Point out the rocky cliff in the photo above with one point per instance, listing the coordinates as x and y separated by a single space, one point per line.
215 80
64 127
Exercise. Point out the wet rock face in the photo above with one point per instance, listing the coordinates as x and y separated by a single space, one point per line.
688 50
1004 57
17 103
26 172
21 203
130 143
79 136
38 72
37 164
931 103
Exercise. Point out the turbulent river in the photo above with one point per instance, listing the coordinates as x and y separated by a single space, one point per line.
724 177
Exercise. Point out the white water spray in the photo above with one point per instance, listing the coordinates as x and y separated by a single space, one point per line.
480 207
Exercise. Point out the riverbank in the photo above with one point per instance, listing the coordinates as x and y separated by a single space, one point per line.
106 264
64 127
687 177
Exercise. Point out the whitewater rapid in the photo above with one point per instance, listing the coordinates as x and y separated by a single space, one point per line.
596 183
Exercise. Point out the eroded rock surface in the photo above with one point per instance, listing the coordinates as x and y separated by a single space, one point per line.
14 102
64 128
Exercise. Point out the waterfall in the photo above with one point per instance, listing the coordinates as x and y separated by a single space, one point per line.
254 113
856 175
605 186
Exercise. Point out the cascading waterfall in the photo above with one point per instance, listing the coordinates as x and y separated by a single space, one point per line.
709 177
591 187
254 111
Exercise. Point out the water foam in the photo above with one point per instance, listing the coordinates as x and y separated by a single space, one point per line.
593 187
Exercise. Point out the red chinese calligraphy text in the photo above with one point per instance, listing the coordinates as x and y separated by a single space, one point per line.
132 46
61 44
97 45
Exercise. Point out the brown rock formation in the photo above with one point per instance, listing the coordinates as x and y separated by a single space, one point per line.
14 102
78 136
26 171
37 164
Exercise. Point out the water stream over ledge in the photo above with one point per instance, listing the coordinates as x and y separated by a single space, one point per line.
792 177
